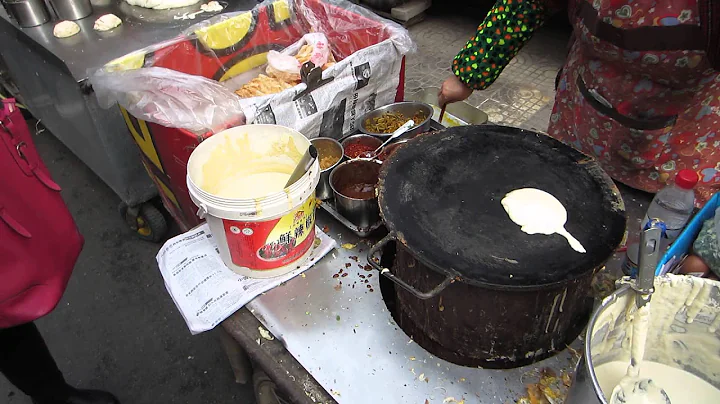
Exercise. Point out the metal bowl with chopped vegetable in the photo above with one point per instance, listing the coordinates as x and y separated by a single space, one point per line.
383 121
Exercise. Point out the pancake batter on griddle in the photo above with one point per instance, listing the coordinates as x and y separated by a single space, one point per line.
538 212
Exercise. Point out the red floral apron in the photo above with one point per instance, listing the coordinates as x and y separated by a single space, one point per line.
638 93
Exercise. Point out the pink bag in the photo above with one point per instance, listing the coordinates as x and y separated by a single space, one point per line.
39 242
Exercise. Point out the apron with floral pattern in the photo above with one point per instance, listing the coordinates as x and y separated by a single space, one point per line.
638 93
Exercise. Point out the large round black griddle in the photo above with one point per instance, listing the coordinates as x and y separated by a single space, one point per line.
440 193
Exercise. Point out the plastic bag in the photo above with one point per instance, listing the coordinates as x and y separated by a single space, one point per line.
169 98
283 66
343 34
330 17
286 65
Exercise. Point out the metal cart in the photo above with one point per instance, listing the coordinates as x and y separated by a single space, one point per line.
50 75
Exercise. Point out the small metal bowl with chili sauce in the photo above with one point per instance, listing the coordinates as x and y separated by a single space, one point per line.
360 146
383 121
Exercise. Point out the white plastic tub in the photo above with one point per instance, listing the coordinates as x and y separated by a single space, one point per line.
236 179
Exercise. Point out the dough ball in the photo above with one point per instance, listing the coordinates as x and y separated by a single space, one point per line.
162 4
107 22
211 7
65 29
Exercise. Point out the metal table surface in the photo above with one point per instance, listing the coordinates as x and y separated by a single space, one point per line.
342 339
141 27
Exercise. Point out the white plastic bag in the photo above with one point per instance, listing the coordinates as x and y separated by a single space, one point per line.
283 67
286 65
169 98
321 49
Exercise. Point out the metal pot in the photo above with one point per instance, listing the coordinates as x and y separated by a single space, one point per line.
585 388
484 326
365 140
72 9
362 212
456 114
472 288
607 331
28 13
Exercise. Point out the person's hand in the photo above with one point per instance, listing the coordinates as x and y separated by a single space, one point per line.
453 90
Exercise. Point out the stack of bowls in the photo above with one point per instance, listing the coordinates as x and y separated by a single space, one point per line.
349 173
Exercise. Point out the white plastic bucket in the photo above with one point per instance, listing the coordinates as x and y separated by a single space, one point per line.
236 179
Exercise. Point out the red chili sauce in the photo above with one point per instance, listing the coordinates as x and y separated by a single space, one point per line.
356 150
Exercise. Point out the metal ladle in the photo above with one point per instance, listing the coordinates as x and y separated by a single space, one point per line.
650 242
398 132
637 389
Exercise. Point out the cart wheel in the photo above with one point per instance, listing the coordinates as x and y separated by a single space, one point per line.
147 221
265 389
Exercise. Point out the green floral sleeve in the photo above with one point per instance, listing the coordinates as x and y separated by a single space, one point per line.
505 30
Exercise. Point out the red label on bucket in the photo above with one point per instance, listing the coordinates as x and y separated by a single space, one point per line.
274 243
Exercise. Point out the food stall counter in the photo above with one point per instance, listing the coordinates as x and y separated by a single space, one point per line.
339 340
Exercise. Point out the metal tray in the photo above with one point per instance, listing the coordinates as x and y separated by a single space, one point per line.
456 114
329 207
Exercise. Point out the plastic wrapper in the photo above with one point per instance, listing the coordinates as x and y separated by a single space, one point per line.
707 246
283 66
286 66
188 82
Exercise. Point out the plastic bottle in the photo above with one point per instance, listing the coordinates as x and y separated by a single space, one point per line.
674 204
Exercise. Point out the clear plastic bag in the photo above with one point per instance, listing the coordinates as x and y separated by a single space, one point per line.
342 31
185 82
169 98
283 66
286 66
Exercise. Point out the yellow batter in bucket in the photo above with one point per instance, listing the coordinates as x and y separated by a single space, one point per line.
245 169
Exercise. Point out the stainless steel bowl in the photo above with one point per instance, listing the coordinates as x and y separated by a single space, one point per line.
325 145
361 212
360 139
407 108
